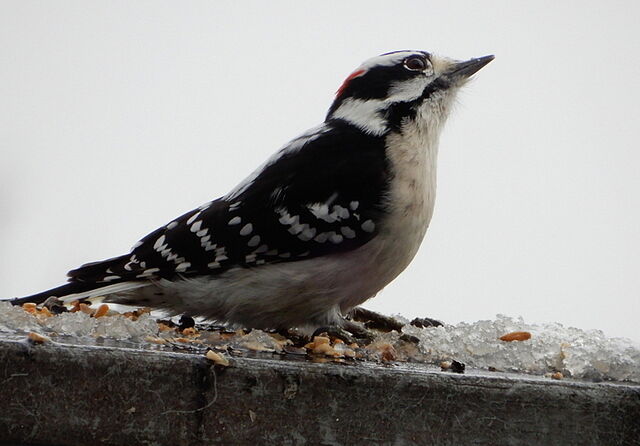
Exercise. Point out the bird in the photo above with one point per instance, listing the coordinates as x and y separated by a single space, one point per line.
321 227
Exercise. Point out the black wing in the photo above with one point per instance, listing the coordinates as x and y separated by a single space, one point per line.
321 194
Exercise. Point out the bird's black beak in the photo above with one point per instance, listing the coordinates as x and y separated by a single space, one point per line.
463 70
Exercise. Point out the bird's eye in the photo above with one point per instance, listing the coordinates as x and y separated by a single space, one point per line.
415 63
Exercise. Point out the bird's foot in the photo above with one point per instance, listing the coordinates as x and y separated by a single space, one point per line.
378 321
425 322
374 320
297 337
348 331
54 305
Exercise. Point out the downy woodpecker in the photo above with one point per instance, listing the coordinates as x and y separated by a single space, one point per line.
319 228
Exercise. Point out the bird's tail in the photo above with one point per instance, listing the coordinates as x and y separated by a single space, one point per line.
88 281
78 290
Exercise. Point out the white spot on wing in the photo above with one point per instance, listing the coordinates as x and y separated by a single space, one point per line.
165 251
205 243
137 244
307 234
193 218
286 218
254 241
261 249
297 228
157 245
368 226
348 232
341 213
246 229
335 238
319 210
148 272
196 226
182 267
235 221
208 246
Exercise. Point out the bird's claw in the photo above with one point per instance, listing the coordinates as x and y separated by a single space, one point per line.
425 322
349 332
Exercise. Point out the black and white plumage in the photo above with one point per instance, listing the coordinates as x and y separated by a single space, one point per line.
321 227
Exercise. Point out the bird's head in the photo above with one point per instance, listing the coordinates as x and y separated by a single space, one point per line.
394 89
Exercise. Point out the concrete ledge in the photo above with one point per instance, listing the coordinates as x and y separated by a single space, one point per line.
58 394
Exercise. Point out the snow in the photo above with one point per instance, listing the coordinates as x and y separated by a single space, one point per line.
16 320
576 353
584 354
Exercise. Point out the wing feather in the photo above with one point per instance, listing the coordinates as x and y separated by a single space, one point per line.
321 194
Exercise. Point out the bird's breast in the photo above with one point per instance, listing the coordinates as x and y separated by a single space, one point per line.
411 195
410 200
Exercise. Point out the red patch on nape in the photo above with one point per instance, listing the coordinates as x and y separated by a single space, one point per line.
345 84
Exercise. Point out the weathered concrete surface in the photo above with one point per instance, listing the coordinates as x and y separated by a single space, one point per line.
83 395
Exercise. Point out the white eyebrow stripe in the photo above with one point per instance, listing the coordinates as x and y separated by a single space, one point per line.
387 60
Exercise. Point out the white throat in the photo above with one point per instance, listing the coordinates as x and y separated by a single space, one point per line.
413 155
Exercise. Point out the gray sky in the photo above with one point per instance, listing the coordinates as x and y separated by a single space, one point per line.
118 116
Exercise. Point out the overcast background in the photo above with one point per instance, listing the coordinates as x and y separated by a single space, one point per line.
117 116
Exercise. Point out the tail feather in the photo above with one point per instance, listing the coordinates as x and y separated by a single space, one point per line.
89 281
79 290
96 271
